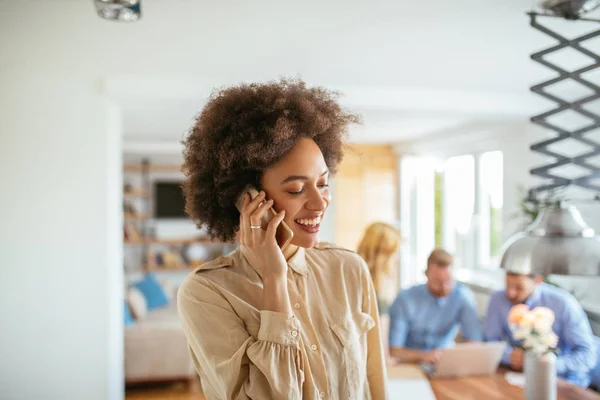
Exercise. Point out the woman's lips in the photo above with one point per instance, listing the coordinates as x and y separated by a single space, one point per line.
308 228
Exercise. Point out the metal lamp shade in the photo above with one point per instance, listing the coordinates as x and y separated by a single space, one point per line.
557 242
569 9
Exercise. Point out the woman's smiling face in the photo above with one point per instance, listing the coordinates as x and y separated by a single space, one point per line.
298 184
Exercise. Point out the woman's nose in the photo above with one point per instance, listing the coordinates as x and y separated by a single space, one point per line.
317 200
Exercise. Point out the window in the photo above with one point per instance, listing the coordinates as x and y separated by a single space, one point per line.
455 203
459 208
492 192
471 214
417 218
439 207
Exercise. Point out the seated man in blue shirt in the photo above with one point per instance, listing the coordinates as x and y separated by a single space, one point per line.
425 318
577 353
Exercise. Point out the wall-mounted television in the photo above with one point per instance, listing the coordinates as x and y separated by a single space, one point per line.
169 201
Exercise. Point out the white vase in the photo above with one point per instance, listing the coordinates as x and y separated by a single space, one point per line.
540 376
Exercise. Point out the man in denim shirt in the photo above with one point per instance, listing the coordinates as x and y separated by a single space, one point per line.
425 318
577 352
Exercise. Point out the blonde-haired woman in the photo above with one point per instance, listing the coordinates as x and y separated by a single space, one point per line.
379 248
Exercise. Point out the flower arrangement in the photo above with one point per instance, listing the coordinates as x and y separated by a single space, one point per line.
534 327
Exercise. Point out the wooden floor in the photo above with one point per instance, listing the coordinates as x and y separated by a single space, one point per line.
451 389
164 391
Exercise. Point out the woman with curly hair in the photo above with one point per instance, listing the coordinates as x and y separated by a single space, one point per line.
263 323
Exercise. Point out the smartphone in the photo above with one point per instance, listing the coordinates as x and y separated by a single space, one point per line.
283 234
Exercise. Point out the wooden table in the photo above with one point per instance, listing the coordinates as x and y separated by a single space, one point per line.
492 387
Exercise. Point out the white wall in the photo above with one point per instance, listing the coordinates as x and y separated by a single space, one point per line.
59 236
114 250
60 229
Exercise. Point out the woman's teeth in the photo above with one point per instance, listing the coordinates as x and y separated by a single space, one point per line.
309 222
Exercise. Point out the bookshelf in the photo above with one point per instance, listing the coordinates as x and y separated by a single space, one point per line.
146 249
170 242
135 193
136 218
152 168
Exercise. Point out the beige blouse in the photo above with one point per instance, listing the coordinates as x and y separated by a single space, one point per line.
330 348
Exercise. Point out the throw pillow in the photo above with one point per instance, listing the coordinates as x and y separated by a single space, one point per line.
152 291
137 303
168 288
127 314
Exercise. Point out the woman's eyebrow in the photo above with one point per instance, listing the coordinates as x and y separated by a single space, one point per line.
300 177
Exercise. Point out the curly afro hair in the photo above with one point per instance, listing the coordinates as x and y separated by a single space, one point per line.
244 130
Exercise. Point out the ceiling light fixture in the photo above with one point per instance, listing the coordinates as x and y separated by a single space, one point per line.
568 9
119 10
559 241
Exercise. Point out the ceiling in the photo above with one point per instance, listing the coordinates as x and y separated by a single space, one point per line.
410 68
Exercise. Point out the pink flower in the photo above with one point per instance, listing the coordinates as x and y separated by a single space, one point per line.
527 321
533 327
542 325
516 314
544 313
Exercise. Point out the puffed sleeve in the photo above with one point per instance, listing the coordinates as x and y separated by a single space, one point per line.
231 363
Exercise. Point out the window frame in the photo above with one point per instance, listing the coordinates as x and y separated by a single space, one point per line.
418 202
479 234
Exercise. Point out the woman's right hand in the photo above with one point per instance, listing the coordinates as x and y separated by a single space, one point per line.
260 245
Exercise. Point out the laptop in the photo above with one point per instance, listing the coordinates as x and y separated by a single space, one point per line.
467 359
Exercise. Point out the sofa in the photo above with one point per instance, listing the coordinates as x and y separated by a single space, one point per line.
155 345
